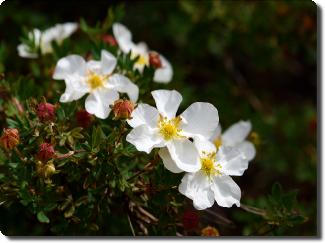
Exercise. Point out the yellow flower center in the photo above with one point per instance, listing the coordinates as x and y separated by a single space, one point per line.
143 60
169 129
208 165
218 142
95 81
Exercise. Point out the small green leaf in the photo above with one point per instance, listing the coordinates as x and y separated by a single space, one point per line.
42 217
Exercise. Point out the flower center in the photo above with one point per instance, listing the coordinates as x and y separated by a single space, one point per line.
95 81
142 60
169 129
218 142
208 165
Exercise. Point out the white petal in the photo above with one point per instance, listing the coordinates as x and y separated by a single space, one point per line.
144 114
122 84
167 102
68 29
165 73
144 138
204 145
247 149
108 62
226 191
232 161
24 51
216 133
185 155
75 89
98 102
70 65
168 161
236 133
200 119
196 186
59 32
123 37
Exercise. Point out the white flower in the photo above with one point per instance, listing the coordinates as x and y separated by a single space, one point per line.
213 182
42 40
124 39
235 137
160 128
96 78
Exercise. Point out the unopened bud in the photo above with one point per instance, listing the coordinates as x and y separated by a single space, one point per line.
84 119
46 112
109 39
154 60
49 169
9 138
190 220
46 152
123 109
210 231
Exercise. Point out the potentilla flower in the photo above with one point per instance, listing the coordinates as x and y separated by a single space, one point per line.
213 182
163 74
43 40
46 112
235 136
10 138
95 78
123 109
46 152
84 119
161 128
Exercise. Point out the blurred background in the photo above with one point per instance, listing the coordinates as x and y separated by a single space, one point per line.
254 60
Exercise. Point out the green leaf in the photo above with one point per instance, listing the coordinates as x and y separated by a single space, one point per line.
42 217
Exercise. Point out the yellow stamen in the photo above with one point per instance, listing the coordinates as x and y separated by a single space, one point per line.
95 81
169 129
142 60
208 165
218 142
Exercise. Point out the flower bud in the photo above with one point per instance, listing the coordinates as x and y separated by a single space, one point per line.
109 39
84 119
49 169
46 112
154 60
123 108
46 152
190 220
210 231
9 138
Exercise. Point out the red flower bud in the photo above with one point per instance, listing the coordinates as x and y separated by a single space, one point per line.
46 112
154 60
84 119
109 39
46 152
9 138
123 108
210 231
190 220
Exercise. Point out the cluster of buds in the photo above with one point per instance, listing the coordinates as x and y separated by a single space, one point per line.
123 109
46 112
154 60
84 119
46 152
210 231
45 170
10 138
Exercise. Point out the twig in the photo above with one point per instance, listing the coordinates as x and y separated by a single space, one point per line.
131 226
253 210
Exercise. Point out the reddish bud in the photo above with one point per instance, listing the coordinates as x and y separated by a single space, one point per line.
84 119
190 220
9 138
154 60
109 39
46 112
210 231
46 152
123 109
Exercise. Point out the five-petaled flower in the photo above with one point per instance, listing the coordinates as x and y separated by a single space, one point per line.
96 78
213 182
43 40
161 128
163 72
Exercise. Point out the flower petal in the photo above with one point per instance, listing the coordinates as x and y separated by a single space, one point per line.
216 133
123 37
236 133
167 102
226 191
144 138
232 161
122 84
144 114
200 119
24 51
168 161
108 62
70 65
185 155
75 89
247 149
98 102
204 145
165 73
196 186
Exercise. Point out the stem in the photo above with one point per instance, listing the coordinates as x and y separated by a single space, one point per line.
145 169
131 226
253 210
21 157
